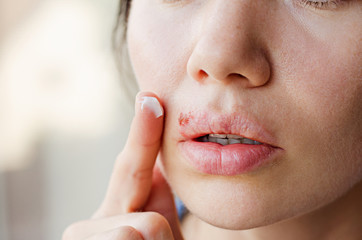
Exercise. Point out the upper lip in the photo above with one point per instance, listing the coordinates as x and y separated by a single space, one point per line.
195 124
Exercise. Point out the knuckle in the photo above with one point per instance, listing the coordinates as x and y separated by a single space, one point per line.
128 169
143 174
127 233
154 217
73 231
158 226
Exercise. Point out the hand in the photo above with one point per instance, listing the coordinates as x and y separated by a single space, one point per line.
138 203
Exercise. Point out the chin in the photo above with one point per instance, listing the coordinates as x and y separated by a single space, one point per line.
247 201
221 206
226 202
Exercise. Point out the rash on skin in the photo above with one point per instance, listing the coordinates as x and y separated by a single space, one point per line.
184 119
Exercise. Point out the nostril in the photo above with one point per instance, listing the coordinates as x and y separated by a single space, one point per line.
202 74
236 75
239 77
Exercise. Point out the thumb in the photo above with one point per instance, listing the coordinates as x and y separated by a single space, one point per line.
161 200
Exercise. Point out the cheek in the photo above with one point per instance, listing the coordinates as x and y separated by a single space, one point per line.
325 74
321 85
327 86
325 90
158 53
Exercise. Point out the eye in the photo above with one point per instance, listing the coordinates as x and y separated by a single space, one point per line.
322 4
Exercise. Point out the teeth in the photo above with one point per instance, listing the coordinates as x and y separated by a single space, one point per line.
218 135
231 136
225 136
212 139
226 139
247 141
222 141
234 141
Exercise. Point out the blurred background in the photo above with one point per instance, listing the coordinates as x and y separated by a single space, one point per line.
63 113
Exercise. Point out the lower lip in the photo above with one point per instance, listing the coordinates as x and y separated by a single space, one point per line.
228 160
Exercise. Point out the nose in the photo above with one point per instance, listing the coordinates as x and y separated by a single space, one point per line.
227 47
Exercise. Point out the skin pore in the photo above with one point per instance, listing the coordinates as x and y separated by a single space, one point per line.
294 66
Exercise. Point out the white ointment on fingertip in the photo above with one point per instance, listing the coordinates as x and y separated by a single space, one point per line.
153 105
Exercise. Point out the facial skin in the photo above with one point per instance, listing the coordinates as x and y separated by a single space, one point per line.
294 68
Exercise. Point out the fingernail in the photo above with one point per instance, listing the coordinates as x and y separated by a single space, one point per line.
152 104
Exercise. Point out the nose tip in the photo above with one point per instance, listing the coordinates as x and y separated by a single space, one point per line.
229 49
253 71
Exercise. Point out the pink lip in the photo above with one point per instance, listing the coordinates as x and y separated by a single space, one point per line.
229 160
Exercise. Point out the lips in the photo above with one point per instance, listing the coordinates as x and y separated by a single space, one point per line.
255 147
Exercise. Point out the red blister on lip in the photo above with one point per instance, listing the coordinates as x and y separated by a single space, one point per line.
184 119
228 160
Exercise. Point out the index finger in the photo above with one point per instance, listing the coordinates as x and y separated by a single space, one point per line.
131 180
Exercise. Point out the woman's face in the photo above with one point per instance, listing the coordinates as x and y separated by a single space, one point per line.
286 73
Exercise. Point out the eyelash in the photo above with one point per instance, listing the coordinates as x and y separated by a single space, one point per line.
322 4
316 4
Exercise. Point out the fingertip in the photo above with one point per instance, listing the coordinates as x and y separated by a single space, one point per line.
147 126
148 102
